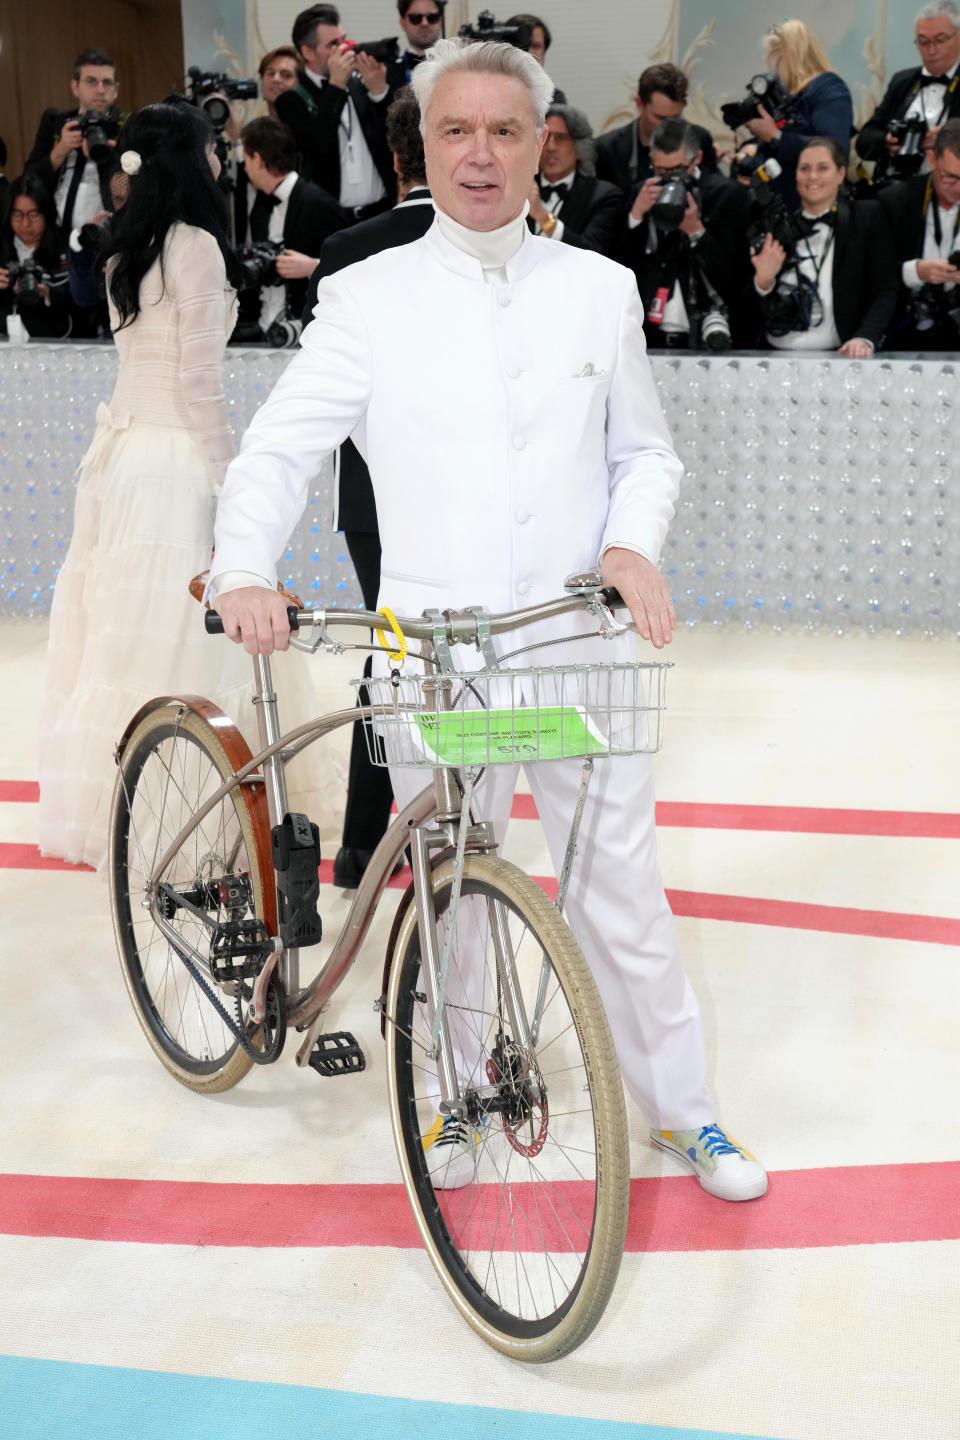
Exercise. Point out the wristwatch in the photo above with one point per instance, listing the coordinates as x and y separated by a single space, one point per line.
548 225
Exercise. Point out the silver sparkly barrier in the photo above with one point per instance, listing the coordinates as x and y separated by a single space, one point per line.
819 491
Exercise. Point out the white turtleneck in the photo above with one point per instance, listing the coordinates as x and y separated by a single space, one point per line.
493 248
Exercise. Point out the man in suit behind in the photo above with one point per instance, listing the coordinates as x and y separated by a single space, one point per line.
570 203
285 208
623 156
337 118
370 794
924 215
421 22
684 269
928 94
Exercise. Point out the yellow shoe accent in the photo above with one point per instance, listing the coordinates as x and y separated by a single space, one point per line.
434 1133
668 1134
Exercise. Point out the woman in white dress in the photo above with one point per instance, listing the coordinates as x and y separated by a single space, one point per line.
123 627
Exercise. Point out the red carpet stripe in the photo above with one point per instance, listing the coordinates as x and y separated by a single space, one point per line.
19 791
796 915
804 1209
689 904
793 819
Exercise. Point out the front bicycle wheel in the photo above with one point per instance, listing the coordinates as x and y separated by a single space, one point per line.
528 1241
173 762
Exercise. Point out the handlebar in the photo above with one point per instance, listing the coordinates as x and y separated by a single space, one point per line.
455 626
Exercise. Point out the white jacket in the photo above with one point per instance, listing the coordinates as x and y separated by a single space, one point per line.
512 432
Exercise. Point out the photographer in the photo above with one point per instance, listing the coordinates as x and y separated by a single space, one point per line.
901 131
279 70
74 151
924 215
686 248
287 211
338 119
33 275
623 156
833 285
422 23
821 102
570 203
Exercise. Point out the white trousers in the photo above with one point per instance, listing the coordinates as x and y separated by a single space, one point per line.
619 914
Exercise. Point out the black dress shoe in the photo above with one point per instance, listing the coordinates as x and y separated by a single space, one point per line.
349 866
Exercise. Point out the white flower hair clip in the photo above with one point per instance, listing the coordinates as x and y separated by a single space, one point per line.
130 162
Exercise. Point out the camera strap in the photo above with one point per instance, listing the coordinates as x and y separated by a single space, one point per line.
948 95
937 227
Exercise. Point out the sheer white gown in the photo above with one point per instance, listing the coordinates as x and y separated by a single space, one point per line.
123 627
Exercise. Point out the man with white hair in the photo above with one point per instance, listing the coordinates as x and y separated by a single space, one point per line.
538 447
922 98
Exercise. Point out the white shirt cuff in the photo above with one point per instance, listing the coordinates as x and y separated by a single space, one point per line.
909 274
769 290
625 545
633 224
234 580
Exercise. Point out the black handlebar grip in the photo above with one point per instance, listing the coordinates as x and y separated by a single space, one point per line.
214 625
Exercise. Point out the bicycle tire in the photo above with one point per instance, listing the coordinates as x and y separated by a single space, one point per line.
593 1196
171 760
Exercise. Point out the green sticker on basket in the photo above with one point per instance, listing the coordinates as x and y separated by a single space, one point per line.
484 737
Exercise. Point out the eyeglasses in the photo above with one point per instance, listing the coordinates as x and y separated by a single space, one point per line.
936 42
670 172
433 18
23 215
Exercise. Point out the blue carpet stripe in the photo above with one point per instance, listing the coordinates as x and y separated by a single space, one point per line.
55 1400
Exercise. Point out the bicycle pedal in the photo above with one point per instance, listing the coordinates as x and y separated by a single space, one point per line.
338 1053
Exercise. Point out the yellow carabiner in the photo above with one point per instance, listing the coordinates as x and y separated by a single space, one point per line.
397 656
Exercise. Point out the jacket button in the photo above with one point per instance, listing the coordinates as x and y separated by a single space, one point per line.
513 372
519 443
522 516
502 297
522 587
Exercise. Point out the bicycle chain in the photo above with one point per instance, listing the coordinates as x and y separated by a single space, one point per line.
238 1031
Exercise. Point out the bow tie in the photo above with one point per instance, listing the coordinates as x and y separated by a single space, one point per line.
547 192
413 60
933 80
828 220
267 202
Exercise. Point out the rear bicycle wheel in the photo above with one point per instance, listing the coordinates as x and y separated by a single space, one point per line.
529 1244
173 761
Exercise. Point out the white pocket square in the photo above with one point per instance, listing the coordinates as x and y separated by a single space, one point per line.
589 372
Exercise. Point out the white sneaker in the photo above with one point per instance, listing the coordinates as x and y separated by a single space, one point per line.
451 1147
722 1166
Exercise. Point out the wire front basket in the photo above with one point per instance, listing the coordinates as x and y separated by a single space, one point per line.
499 718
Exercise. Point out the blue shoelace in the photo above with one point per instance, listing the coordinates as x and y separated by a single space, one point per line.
715 1142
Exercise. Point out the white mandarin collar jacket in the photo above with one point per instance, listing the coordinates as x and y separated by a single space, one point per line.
512 431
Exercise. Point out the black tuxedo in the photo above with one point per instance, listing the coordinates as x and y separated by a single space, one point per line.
369 793
48 133
721 253
311 217
625 162
864 272
592 212
906 207
313 114
901 90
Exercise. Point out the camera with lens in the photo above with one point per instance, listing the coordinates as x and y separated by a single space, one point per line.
488 27
786 226
258 264
767 90
714 327
670 206
285 330
385 52
910 133
208 91
98 128
27 276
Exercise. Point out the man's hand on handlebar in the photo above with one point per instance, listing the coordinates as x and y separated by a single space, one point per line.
644 592
255 618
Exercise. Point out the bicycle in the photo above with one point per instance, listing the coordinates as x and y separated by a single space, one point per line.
491 1019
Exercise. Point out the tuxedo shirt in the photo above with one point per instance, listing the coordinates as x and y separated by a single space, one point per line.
538 443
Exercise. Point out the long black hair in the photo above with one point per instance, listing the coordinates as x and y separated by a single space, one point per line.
174 183
49 250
